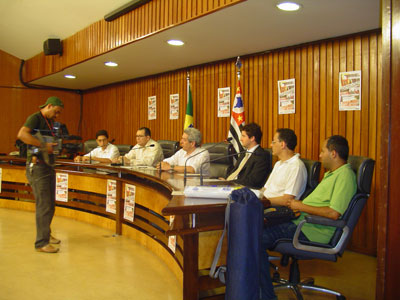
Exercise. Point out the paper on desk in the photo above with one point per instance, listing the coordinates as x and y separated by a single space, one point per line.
218 192
177 193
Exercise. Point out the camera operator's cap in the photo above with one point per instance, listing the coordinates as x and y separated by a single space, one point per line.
53 100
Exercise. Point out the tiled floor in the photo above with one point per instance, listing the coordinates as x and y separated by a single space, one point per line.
91 264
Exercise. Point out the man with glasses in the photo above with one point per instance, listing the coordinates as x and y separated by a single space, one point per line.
288 178
191 157
147 152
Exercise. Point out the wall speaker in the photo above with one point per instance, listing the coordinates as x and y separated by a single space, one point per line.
52 47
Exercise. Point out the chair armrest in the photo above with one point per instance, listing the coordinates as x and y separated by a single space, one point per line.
325 221
321 220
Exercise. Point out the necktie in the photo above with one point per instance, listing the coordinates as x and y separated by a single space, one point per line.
242 163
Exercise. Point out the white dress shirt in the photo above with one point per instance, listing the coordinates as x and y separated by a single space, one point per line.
110 152
180 157
287 177
148 156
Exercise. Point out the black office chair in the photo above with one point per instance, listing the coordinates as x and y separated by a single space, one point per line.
313 170
222 164
124 149
269 154
364 168
169 148
89 145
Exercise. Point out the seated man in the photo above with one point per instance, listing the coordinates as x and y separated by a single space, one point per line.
252 168
330 199
146 152
288 178
104 152
191 152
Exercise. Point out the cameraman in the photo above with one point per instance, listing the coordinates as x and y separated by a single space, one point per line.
39 170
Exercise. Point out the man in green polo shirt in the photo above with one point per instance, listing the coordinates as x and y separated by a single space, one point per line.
40 172
330 199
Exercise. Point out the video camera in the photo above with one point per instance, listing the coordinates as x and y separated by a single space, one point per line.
58 135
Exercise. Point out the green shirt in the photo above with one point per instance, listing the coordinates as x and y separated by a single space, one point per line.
37 121
335 190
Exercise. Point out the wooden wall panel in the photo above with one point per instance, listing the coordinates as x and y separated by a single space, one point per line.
18 102
122 108
102 36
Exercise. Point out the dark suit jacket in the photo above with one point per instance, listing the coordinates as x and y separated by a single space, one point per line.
256 170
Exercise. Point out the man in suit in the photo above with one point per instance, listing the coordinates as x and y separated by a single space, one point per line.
252 167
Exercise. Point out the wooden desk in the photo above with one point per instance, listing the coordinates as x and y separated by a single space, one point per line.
197 223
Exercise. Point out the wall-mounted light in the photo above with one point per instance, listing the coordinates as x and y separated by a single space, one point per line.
69 76
111 64
288 6
175 42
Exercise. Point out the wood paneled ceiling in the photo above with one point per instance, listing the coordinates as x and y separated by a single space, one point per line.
248 27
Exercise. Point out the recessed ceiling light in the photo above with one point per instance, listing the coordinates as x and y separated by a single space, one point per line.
111 64
288 6
70 76
175 42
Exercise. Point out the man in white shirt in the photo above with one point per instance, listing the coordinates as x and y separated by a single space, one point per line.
191 152
289 175
104 152
146 152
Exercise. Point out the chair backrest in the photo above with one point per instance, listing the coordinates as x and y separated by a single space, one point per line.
313 168
124 149
223 164
269 154
364 169
89 145
168 147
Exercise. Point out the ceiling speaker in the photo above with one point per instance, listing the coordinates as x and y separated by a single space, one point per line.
52 47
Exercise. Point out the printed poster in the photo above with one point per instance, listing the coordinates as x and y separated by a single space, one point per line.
174 106
350 90
172 238
152 107
287 96
111 196
62 187
224 102
129 205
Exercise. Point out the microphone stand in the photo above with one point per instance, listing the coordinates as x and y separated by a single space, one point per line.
219 158
215 145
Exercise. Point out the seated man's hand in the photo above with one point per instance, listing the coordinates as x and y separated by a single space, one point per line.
294 204
78 159
116 160
164 166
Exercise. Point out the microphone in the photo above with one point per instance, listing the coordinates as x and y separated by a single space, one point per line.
219 158
122 163
152 145
215 145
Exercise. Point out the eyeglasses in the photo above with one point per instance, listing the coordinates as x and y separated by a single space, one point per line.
140 136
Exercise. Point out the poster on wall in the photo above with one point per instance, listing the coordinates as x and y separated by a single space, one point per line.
62 187
172 238
174 106
129 205
152 107
111 196
287 96
224 102
350 90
